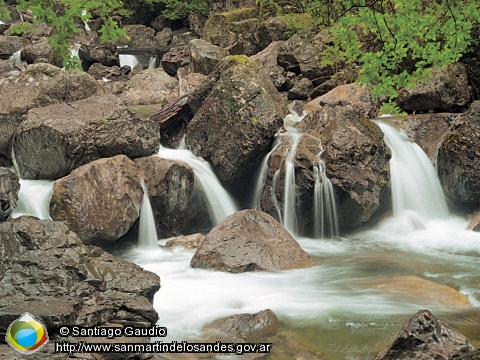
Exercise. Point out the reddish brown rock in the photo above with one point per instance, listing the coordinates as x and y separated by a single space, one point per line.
191 242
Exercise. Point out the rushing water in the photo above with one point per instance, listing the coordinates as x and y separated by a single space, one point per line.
147 233
220 203
16 57
352 302
34 199
132 60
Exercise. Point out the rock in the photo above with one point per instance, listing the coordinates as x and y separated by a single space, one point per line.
190 242
359 97
446 90
9 188
301 54
427 130
159 23
10 45
151 86
324 88
104 53
272 29
458 159
267 59
187 82
425 337
183 38
164 37
237 112
56 139
99 201
297 107
474 219
47 271
301 90
178 206
41 50
226 5
40 85
5 67
175 58
226 29
469 356
140 36
196 23
242 328
356 159
204 56
420 290
100 71
249 240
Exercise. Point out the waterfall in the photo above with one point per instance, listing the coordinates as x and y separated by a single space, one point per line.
290 195
152 62
130 60
414 182
34 199
74 50
147 233
16 57
220 203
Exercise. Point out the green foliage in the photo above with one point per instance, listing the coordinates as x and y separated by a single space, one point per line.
409 37
178 9
391 107
22 28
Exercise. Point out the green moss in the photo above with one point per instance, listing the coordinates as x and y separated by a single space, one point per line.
297 22
239 14
254 120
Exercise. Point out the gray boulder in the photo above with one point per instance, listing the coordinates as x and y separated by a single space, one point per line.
9 188
78 133
205 56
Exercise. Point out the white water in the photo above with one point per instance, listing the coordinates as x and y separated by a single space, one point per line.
84 12
74 50
147 232
16 57
414 181
220 203
34 199
132 60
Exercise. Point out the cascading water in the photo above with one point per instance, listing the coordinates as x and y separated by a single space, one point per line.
34 199
415 185
220 203
129 60
16 57
147 233
289 219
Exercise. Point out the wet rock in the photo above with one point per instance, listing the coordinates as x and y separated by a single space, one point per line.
249 240
425 337
175 58
474 219
359 97
237 112
99 201
301 90
267 59
78 133
105 53
190 242
356 159
178 206
446 90
151 86
458 159
47 271
297 107
243 327
205 56
39 85
41 50
226 29
9 188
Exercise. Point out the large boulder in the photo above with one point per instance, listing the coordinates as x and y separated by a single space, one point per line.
356 159
249 240
151 86
9 188
47 271
95 52
78 133
178 205
139 36
99 201
458 159
272 29
41 50
241 328
40 85
234 27
10 45
425 337
237 113
267 59
205 56
175 58
446 90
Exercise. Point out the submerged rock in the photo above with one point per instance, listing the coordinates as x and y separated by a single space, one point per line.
243 327
356 160
178 206
47 271
100 201
237 112
425 337
190 242
249 240
458 160
56 139
9 188
40 85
